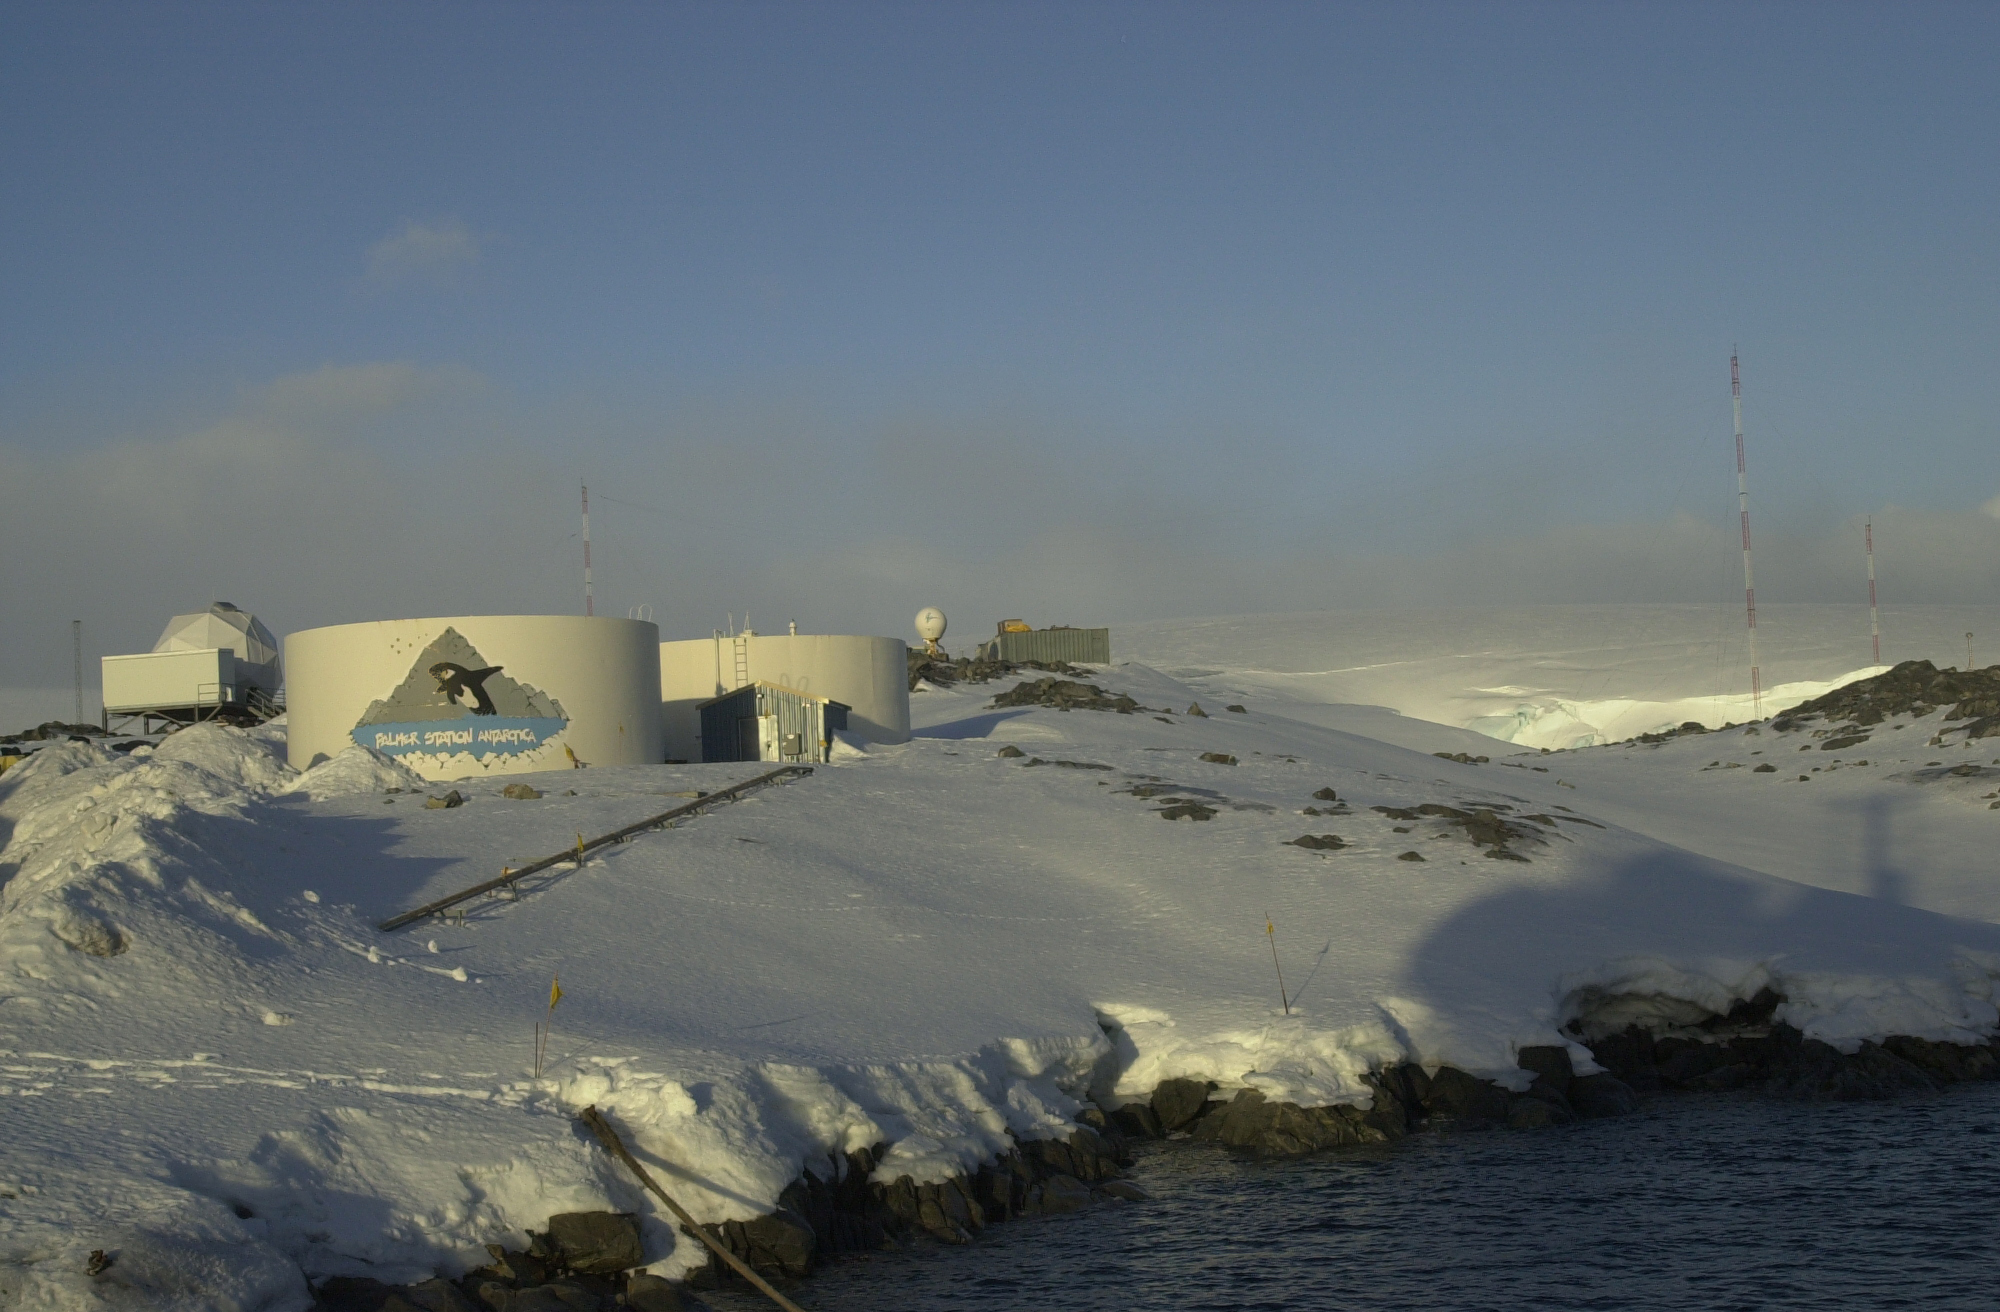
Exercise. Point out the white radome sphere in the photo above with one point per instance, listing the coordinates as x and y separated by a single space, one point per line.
930 624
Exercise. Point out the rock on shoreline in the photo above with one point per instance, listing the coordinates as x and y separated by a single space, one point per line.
585 1260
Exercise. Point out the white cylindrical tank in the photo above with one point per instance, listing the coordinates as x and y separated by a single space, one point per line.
870 676
478 694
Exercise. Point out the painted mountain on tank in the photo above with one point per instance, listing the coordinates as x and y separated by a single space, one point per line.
455 702
437 689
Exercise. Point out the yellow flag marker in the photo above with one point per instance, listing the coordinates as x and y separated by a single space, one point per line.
579 851
544 1027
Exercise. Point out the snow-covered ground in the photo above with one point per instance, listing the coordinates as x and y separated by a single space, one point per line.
1543 676
213 1066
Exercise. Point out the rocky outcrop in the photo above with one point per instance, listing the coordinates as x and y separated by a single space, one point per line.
945 672
1914 688
1066 695
1779 1061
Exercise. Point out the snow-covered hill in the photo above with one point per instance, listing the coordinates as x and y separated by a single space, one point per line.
1541 676
217 1068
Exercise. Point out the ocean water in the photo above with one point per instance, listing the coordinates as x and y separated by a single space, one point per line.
1711 1203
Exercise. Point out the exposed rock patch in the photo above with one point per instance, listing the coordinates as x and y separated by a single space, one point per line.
1066 695
945 673
1913 688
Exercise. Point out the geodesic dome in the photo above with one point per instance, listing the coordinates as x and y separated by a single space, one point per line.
223 625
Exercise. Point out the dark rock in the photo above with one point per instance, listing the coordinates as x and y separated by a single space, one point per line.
521 792
595 1243
1407 1083
1179 1103
1010 751
1066 695
1139 1120
1319 842
1822 1073
780 1241
348 1294
491 1294
946 1212
1186 811
1326 795
1530 1113
1594 1096
446 802
556 1296
1745 1012
516 1268
1682 1061
436 1295
1462 758
1126 1190
1283 1129
1630 1056
1057 1194
1194 709
1409 856
1237 709
1218 758
1766 768
1951 1062
1846 740
1086 1155
1455 1094
1395 812
651 1293
1550 1065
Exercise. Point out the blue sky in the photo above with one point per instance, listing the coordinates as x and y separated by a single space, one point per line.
1072 311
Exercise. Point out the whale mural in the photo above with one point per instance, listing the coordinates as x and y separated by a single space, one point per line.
453 701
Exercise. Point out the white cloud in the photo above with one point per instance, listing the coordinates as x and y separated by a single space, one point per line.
423 252
336 391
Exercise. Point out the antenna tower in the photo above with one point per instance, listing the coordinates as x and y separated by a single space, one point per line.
589 598
1743 508
1874 624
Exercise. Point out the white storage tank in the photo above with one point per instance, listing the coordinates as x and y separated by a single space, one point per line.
478 694
870 676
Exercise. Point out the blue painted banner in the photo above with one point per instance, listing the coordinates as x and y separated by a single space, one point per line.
477 735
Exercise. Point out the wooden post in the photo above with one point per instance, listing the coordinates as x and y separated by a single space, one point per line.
594 1120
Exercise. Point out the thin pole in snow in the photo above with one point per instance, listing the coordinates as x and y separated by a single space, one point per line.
589 600
1271 932
1743 508
1874 624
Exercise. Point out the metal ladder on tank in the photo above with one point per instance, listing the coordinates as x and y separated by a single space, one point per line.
742 661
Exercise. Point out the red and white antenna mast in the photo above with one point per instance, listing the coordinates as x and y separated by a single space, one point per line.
1743 508
589 600
1874 624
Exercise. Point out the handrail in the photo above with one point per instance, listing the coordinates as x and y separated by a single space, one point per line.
576 853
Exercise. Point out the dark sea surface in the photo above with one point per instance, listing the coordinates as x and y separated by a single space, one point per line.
1713 1203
